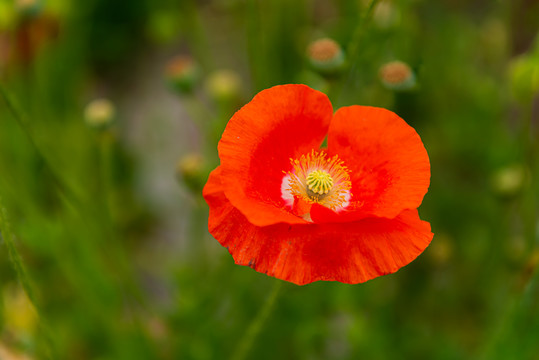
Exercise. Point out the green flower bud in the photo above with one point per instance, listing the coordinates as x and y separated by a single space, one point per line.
326 56
182 74
99 113
190 171
397 75
493 40
509 180
440 250
385 15
28 8
223 85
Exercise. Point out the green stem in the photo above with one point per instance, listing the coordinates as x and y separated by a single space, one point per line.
15 258
515 321
22 275
115 247
520 306
194 29
256 325
255 51
23 123
354 50
528 200
105 142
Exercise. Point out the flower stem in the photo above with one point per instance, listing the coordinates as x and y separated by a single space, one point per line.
256 325
19 116
528 200
7 235
353 49
354 54
521 305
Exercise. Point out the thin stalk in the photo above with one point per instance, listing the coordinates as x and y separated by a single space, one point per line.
194 29
19 116
514 322
257 61
256 325
528 200
7 235
22 276
520 304
115 246
354 50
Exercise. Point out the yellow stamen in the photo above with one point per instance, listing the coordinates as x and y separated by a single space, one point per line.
317 179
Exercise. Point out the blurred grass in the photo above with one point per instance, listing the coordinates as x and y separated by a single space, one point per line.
118 255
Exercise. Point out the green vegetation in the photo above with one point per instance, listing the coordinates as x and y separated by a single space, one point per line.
104 248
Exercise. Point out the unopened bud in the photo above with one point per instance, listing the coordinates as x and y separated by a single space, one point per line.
441 249
190 170
223 85
494 40
385 14
99 113
28 8
510 180
182 74
326 55
397 75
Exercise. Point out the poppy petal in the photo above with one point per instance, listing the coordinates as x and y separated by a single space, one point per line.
389 166
321 214
346 252
280 123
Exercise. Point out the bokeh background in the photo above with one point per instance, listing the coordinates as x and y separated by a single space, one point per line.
110 113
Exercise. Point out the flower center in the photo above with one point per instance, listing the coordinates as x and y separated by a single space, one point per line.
319 182
318 179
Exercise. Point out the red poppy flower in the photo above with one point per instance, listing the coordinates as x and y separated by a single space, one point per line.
285 207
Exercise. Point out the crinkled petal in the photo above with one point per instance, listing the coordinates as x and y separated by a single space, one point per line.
280 123
347 252
390 169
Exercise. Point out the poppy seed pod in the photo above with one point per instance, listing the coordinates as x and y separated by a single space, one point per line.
223 85
326 55
441 250
385 15
182 74
397 75
510 180
99 113
189 170
28 8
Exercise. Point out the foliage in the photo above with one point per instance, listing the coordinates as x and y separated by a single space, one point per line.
113 254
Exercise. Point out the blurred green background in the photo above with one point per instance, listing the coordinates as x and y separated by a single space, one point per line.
105 252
